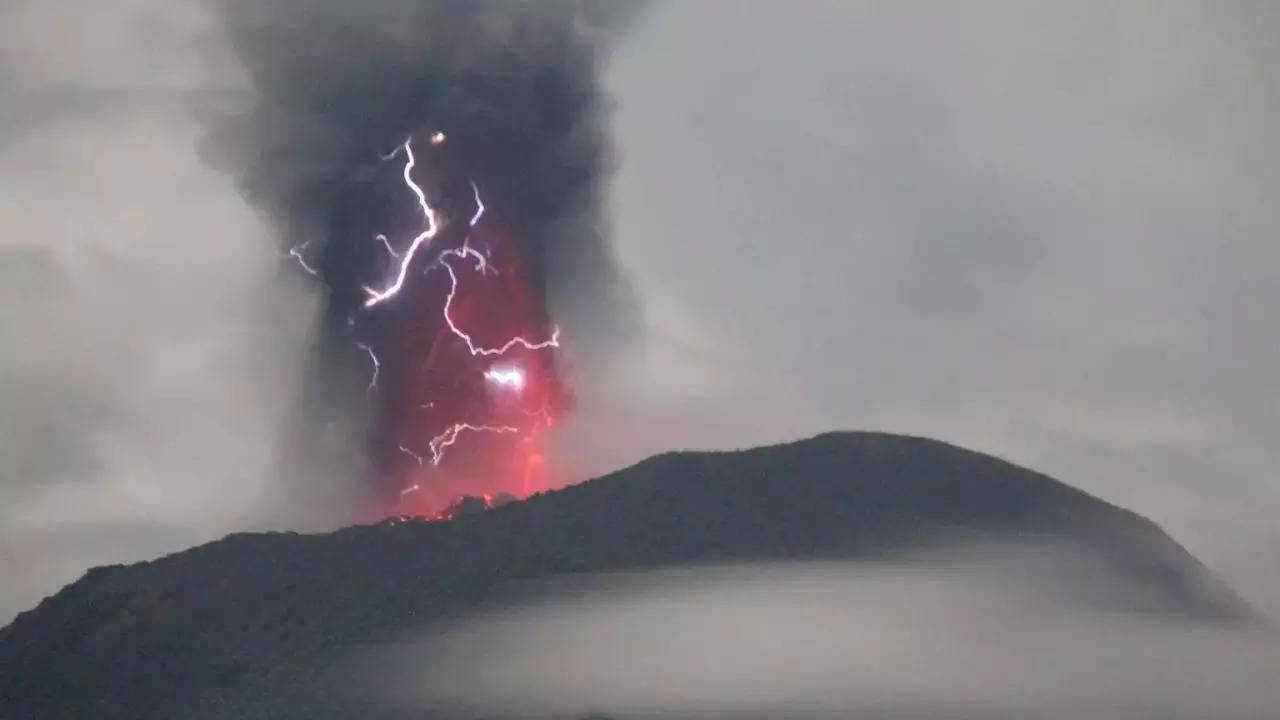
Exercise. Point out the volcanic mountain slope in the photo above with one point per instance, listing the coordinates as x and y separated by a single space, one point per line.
239 625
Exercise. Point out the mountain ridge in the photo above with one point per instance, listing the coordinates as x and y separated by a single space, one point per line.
216 622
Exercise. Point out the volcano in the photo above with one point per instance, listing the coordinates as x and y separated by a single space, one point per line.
246 626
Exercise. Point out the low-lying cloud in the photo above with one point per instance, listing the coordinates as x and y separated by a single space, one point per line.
955 638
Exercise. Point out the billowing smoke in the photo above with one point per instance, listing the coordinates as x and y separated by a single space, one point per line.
438 167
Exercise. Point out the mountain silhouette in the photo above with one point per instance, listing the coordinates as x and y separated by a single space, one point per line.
241 627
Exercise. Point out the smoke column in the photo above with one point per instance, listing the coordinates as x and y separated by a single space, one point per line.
437 167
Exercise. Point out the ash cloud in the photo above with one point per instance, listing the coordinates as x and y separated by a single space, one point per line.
159 340
513 84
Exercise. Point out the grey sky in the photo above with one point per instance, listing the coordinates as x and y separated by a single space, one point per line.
1039 229
149 341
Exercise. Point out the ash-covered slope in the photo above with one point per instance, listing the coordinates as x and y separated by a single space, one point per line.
243 625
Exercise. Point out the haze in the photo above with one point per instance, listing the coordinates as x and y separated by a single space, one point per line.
956 637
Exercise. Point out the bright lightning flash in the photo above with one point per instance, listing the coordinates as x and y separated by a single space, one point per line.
447 438
433 229
475 190
472 347
511 378
377 296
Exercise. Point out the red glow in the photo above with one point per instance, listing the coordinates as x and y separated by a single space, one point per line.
462 422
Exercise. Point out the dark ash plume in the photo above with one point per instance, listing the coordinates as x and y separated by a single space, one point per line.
337 84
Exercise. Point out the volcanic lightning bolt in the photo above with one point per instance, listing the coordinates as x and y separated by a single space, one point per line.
377 296
296 252
508 377
377 366
447 438
512 378
432 229
387 244
472 347
410 453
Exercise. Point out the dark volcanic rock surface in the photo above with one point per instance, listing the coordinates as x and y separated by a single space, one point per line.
241 627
